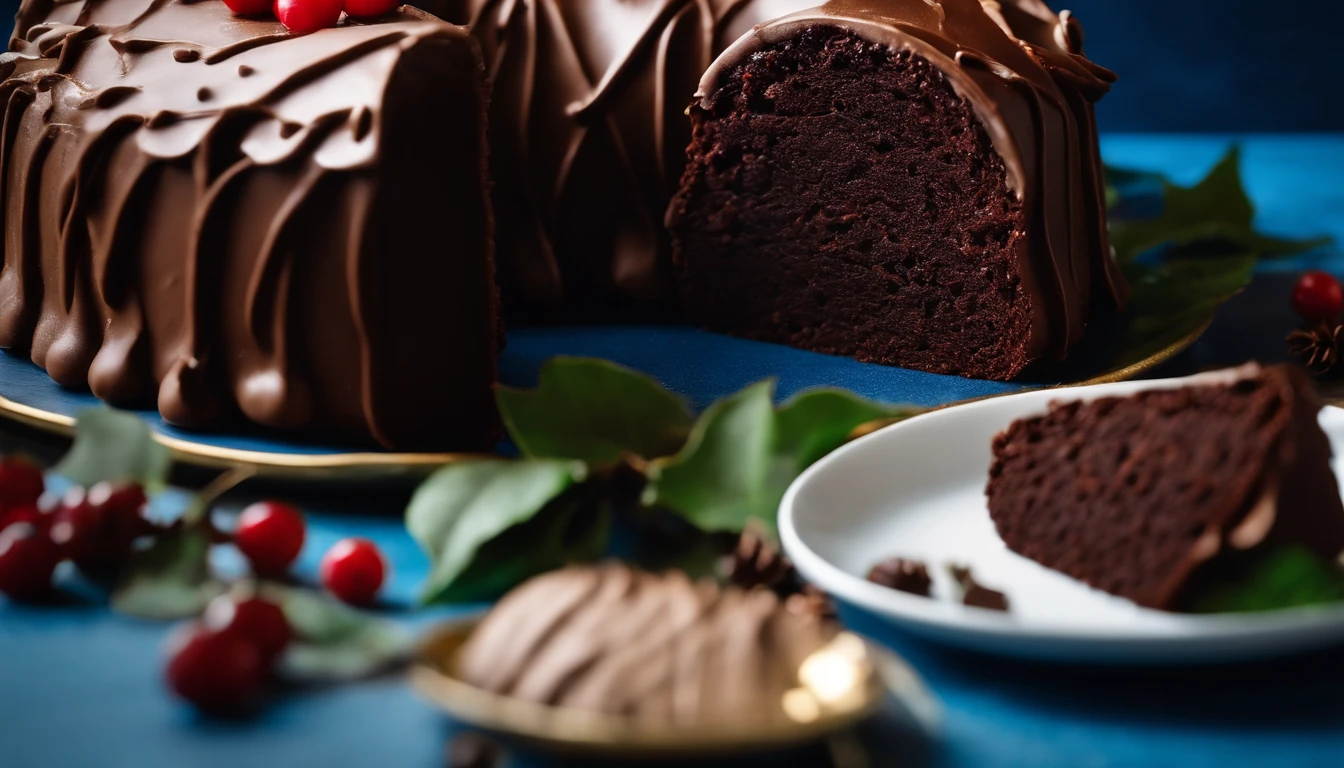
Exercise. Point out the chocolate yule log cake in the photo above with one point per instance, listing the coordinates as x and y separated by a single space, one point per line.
206 212
588 141
1154 495
910 182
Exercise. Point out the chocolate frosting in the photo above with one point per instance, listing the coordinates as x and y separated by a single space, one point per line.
613 640
205 212
1021 67
588 141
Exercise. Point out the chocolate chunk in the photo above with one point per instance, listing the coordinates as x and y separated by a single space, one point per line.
904 575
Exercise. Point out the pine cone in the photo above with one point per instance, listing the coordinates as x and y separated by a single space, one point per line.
757 561
1318 348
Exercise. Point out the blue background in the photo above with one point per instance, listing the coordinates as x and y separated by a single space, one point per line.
1208 65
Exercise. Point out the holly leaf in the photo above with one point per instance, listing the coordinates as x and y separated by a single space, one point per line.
115 446
333 642
593 411
810 425
1172 299
170 579
1288 577
718 480
574 528
463 506
1216 210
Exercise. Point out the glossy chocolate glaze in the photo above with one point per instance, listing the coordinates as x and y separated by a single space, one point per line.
1021 68
206 213
588 141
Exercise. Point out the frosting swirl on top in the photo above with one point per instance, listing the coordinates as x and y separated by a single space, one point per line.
618 641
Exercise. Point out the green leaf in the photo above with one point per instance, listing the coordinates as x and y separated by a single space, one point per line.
462 506
333 642
115 446
170 579
1289 577
718 481
1216 210
594 411
810 425
575 528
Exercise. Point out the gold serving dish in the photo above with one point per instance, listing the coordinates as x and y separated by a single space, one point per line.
838 686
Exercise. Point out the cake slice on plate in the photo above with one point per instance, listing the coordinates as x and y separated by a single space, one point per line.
1153 495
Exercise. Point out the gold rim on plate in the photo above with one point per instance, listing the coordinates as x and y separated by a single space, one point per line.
812 711
365 465
262 463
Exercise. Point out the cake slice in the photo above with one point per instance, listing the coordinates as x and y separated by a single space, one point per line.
1151 496
907 182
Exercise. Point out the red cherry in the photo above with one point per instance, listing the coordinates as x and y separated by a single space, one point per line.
249 7
220 673
27 560
20 482
353 570
370 9
261 622
270 535
1317 297
304 16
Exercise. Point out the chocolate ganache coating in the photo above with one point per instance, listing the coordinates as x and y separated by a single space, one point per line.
205 212
588 141
1019 69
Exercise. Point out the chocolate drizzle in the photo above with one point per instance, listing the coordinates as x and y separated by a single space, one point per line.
245 238
1021 68
588 140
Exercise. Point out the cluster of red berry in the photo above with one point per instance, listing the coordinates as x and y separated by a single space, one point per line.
219 663
96 529
1318 297
304 16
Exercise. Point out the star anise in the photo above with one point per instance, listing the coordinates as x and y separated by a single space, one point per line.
1318 348
757 562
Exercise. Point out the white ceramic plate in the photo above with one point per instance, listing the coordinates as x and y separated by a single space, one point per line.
916 490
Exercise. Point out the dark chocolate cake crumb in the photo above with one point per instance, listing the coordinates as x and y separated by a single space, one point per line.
903 575
975 594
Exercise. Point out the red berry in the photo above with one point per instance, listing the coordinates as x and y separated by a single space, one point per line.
21 482
370 9
29 513
249 7
27 560
270 535
219 672
98 529
304 16
353 570
261 622
1317 297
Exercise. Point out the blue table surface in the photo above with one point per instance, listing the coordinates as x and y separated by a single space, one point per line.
80 686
